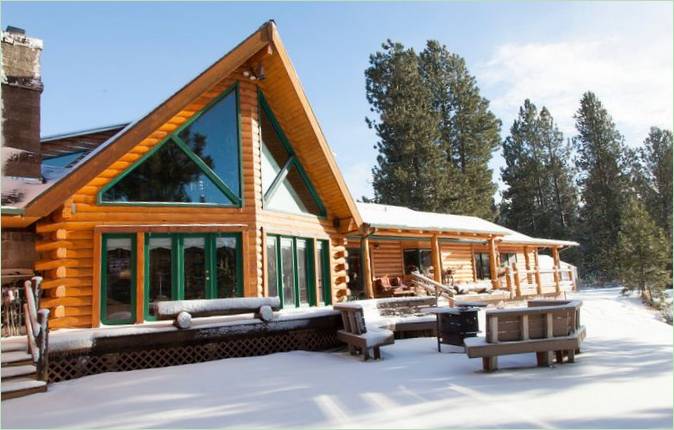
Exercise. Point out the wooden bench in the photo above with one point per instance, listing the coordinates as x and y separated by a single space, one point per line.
182 311
356 335
543 327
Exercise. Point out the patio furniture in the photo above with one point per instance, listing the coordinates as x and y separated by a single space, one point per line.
357 336
544 327
455 324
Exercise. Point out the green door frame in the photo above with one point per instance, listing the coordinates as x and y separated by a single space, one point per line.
104 277
325 266
178 265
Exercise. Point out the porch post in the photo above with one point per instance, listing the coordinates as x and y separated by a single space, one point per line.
493 274
367 272
527 262
435 256
537 274
557 267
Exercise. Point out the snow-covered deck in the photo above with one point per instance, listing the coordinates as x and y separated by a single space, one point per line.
622 379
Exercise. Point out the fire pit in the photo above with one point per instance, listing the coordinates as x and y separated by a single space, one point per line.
457 323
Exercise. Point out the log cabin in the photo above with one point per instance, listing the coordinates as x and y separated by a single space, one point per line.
228 189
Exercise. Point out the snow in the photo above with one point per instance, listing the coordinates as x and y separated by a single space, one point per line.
388 216
251 304
622 379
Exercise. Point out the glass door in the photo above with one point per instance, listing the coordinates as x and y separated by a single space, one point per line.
196 272
287 272
160 271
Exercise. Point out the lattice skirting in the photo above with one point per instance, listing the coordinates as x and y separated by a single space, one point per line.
64 366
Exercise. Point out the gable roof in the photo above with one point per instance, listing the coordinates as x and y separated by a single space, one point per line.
125 139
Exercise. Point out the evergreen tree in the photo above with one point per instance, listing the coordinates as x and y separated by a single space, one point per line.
541 198
410 167
469 132
643 251
656 156
604 184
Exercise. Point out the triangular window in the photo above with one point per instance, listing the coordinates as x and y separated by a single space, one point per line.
167 175
198 164
286 186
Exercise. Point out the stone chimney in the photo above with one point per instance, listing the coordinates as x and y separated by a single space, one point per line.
21 89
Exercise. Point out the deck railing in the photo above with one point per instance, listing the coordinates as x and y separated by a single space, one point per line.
431 286
537 281
37 329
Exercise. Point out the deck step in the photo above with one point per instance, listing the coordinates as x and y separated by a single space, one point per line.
11 372
22 387
16 358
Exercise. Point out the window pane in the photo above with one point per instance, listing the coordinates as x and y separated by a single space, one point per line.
411 260
214 137
119 279
195 268
272 271
226 266
355 284
426 261
293 195
302 281
160 253
482 266
287 275
274 154
320 290
168 175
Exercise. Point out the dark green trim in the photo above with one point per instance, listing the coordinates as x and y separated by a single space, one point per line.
104 277
325 263
174 136
310 269
146 286
292 161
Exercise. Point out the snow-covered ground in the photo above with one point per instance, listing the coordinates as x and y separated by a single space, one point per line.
622 379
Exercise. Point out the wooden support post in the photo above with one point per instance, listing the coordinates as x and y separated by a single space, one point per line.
509 283
527 262
493 274
435 256
537 274
472 262
140 277
518 283
367 272
556 269
525 327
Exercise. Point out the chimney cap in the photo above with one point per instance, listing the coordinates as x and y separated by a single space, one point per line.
15 30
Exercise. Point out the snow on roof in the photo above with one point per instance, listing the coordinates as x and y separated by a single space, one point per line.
515 237
387 216
82 132
18 191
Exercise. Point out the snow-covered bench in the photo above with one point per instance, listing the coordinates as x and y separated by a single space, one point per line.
183 310
357 336
544 327
404 315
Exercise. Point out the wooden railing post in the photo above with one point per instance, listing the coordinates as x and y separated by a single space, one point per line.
537 274
518 285
43 345
527 263
509 283
367 272
556 269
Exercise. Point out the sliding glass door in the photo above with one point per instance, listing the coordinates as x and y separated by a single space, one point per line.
291 270
191 266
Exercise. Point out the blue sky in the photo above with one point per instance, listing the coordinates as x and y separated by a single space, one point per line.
105 63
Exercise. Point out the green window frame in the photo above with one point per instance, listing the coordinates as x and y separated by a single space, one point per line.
178 265
292 161
310 270
324 257
235 196
104 278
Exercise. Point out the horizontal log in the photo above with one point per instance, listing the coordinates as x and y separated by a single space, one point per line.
53 264
70 322
51 302
203 308
67 282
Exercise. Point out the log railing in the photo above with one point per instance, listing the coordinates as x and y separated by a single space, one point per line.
527 282
433 287
37 329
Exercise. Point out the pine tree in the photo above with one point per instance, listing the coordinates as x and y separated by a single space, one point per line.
469 132
656 156
541 197
604 184
410 168
643 251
